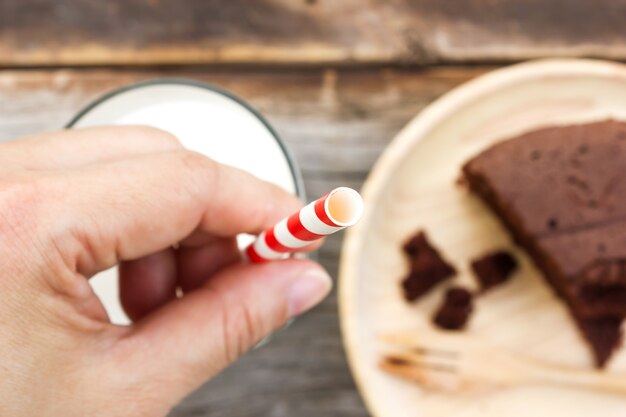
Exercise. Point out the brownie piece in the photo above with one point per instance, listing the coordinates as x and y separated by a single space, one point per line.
603 334
493 269
416 244
561 192
427 267
455 309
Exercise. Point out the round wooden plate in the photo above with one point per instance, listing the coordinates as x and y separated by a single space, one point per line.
413 186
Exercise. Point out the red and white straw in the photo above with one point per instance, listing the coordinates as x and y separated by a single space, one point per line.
340 208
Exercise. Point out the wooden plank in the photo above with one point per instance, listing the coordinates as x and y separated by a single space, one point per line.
336 123
131 32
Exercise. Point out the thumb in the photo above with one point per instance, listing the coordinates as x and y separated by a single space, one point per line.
193 338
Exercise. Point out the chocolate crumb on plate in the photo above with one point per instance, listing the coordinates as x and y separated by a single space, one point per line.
493 269
417 244
427 267
455 310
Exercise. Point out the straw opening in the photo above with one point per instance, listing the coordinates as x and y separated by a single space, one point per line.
344 206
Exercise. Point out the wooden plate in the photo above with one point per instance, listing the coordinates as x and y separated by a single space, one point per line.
413 186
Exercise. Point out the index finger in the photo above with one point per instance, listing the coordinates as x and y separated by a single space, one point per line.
128 209
76 147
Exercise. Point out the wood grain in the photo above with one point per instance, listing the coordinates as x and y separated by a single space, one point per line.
336 123
142 32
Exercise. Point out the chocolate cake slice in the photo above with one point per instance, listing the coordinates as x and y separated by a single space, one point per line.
561 192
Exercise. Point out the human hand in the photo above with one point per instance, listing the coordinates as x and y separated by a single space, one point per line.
74 203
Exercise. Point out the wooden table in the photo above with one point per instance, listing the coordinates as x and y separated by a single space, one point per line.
337 79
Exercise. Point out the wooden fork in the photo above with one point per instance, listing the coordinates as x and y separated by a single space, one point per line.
456 362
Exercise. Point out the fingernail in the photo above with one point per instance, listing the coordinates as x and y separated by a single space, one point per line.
311 288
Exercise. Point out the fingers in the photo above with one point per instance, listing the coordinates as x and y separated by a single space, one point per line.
78 147
196 264
128 209
193 338
147 283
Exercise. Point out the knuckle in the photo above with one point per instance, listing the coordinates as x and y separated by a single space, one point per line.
199 170
163 137
240 328
242 331
196 161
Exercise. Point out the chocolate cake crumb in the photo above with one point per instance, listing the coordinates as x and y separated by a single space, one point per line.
427 267
455 310
494 269
416 244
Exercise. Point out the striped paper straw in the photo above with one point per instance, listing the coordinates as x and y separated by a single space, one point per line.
340 208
